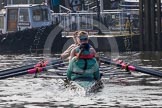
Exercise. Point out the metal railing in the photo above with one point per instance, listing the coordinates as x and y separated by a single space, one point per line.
64 9
110 21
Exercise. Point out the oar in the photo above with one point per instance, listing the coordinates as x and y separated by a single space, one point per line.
31 71
129 67
23 68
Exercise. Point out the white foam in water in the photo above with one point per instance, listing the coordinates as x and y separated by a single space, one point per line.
34 106
40 90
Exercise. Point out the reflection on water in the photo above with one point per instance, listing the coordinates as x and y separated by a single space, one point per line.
121 89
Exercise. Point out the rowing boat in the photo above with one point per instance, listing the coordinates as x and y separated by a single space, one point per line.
85 84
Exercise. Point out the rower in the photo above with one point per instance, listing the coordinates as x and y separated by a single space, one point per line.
82 63
66 53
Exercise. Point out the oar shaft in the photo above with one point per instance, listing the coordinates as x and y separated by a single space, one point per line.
149 71
31 71
34 69
22 68
123 65
13 74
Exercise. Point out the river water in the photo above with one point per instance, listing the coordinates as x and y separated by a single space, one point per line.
121 89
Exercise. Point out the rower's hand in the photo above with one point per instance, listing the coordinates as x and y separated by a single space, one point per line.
85 46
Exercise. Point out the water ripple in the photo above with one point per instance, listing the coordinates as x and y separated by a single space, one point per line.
122 90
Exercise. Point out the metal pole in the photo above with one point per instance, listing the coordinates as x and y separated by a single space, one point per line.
28 1
101 6
159 38
152 26
141 16
147 27
98 15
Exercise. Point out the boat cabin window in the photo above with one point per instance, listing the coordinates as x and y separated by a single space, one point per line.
24 16
130 5
40 15
1 22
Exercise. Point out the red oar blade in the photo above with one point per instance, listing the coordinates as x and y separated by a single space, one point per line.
29 69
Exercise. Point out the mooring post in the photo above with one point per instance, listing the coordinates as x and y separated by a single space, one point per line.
152 26
147 24
141 19
159 37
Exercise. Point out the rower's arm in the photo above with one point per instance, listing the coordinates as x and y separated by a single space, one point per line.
67 52
72 54
69 70
97 73
93 51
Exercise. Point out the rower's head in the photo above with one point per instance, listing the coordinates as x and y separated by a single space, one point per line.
82 37
75 35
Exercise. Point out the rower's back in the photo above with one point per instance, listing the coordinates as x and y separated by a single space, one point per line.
83 63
